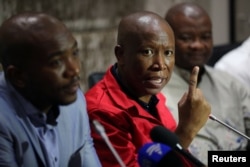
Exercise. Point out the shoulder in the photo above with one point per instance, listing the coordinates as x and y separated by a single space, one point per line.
8 103
234 58
219 76
107 96
106 101
225 80
95 95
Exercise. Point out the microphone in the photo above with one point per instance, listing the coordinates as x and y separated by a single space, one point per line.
101 131
163 135
212 117
158 155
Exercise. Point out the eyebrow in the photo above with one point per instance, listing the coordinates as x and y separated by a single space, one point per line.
61 52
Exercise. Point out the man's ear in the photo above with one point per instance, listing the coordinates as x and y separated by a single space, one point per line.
15 76
119 53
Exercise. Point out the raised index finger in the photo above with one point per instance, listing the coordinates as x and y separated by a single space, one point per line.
193 81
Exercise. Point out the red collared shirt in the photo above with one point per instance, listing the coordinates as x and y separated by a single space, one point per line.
126 122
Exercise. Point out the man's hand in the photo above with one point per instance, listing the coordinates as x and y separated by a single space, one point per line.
194 111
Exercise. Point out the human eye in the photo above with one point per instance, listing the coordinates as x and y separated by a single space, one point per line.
169 53
76 52
55 62
147 52
185 37
206 36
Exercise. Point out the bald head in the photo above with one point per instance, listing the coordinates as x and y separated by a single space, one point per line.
186 9
138 22
145 53
22 34
193 34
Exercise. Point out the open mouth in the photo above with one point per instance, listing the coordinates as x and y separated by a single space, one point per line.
154 82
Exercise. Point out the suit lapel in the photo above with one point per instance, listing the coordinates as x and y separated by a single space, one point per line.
20 105
33 138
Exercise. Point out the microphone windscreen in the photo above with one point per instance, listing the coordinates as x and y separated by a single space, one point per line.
158 155
163 135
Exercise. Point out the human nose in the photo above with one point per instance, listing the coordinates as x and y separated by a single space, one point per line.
196 44
72 67
159 62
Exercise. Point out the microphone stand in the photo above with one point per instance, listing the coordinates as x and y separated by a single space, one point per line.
212 117
101 131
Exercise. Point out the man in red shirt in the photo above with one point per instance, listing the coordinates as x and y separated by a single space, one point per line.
127 101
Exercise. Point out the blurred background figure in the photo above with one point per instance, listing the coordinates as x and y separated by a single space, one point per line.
236 62
229 99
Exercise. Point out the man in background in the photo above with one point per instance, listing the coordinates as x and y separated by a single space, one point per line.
228 98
